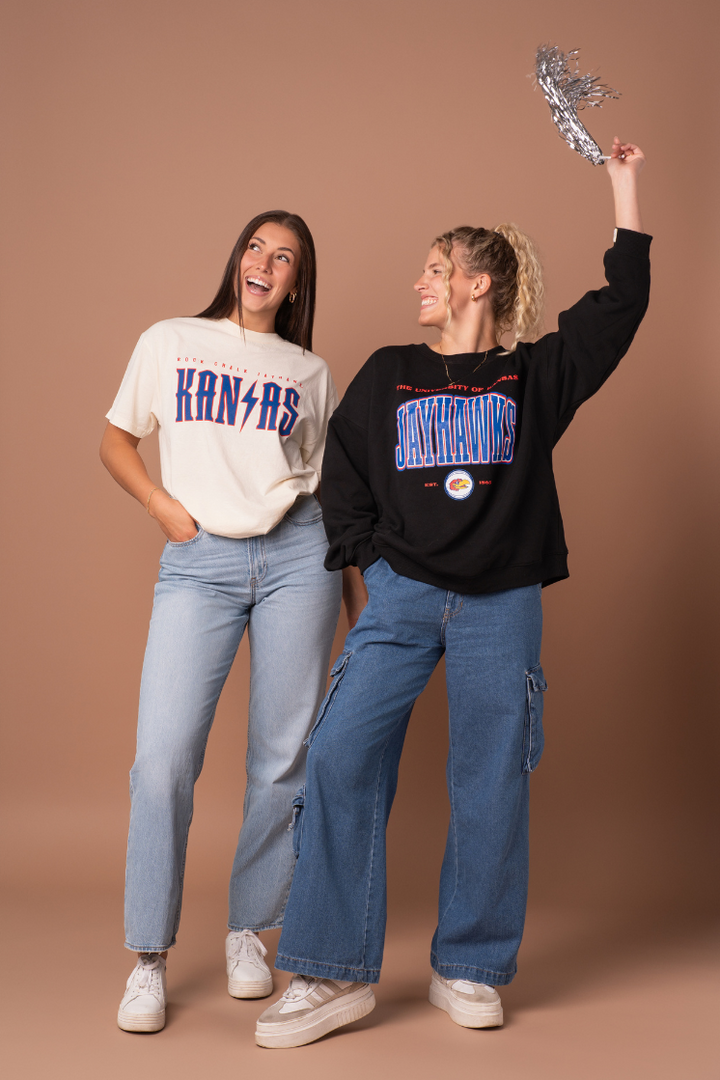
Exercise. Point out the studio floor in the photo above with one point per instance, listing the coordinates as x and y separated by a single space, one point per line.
598 996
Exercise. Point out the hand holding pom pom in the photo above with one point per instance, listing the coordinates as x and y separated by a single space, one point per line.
624 158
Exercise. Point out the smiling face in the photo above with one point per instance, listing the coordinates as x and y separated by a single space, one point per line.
431 286
268 272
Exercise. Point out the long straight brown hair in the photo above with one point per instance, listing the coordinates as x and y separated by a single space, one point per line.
294 322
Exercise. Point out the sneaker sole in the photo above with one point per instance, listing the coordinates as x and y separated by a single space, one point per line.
335 1014
132 1022
479 1016
260 989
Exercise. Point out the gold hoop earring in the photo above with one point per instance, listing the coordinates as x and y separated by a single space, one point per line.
291 297
473 297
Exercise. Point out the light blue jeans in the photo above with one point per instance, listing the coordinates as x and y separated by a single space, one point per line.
210 589
334 924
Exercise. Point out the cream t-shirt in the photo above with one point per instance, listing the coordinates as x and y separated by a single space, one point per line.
242 419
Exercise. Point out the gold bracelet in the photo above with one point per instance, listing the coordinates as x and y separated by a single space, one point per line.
147 504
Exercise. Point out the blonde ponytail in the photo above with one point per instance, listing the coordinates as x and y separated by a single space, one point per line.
526 314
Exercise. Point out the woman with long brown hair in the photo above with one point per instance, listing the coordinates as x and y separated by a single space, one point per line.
242 406
439 487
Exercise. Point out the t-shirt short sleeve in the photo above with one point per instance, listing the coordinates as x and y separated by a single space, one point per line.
136 406
314 445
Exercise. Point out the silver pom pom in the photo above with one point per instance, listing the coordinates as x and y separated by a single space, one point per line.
567 91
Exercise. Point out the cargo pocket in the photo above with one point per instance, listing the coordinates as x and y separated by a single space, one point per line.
296 822
336 675
533 737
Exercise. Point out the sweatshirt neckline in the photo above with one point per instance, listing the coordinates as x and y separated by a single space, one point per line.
250 335
461 358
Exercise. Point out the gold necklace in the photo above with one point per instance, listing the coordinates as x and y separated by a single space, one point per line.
450 382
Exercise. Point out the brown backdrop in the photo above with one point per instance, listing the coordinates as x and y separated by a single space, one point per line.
140 136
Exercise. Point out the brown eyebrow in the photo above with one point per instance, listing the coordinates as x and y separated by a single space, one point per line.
261 241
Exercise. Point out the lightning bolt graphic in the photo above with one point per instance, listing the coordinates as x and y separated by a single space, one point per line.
250 401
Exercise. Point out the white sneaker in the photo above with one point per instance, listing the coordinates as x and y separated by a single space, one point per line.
248 974
143 1006
310 1008
469 1004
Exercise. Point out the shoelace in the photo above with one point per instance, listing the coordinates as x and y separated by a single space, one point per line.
146 974
300 986
245 946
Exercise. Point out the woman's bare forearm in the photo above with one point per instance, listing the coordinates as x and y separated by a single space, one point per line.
624 167
120 456
627 204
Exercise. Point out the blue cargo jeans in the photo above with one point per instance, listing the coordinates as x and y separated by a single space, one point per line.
334 924
211 588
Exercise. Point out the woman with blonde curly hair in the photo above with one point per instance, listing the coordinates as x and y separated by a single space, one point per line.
438 485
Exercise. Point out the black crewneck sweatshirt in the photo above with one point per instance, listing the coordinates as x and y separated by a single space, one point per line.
453 485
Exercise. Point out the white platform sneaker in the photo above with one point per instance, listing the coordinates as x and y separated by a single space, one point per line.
310 1008
143 1006
469 1004
248 974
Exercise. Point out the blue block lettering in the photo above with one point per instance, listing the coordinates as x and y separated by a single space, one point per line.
290 403
401 448
184 398
414 448
269 407
205 395
229 399
425 412
443 433
497 412
462 450
249 401
509 441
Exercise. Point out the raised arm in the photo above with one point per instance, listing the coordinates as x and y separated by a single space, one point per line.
624 167
596 332
119 455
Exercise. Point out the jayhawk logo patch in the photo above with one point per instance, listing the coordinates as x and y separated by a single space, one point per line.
459 484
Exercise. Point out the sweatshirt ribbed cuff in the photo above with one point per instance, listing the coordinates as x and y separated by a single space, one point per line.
365 555
629 242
